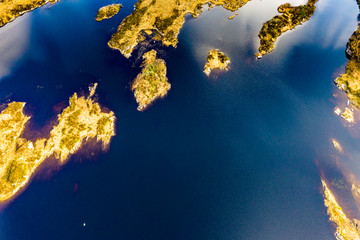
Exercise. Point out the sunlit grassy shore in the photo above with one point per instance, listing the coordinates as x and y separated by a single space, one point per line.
216 60
82 120
290 18
162 20
350 80
346 229
11 9
107 12
152 82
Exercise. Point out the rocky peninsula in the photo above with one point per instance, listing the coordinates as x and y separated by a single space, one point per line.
108 11
152 82
82 120
345 227
290 18
216 60
161 20
349 82
11 9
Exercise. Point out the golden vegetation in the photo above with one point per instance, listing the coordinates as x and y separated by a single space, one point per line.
216 60
348 115
107 12
152 82
290 18
345 228
11 9
161 20
350 80
19 157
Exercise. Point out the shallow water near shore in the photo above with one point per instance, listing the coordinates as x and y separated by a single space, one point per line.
231 157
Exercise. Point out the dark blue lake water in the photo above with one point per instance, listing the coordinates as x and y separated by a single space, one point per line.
228 157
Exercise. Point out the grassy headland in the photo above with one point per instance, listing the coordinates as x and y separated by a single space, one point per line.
152 82
83 119
216 60
290 18
160 18
108 11
11 9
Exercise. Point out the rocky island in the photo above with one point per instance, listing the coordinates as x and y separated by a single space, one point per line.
290 18
161 20
108 11
345 227
82 120
216 60
11 9
152 82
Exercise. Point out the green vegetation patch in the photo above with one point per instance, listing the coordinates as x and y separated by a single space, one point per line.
163 24
16 171
70 140
129 22
350 82
101 125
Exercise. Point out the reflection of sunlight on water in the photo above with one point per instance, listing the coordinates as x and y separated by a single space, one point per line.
342 180
348 114
341 24
347 160
337 145
213 28
14 41
242 32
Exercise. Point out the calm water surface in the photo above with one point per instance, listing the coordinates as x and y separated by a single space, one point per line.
227 157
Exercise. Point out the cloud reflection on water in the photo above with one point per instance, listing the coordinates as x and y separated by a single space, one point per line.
14 42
